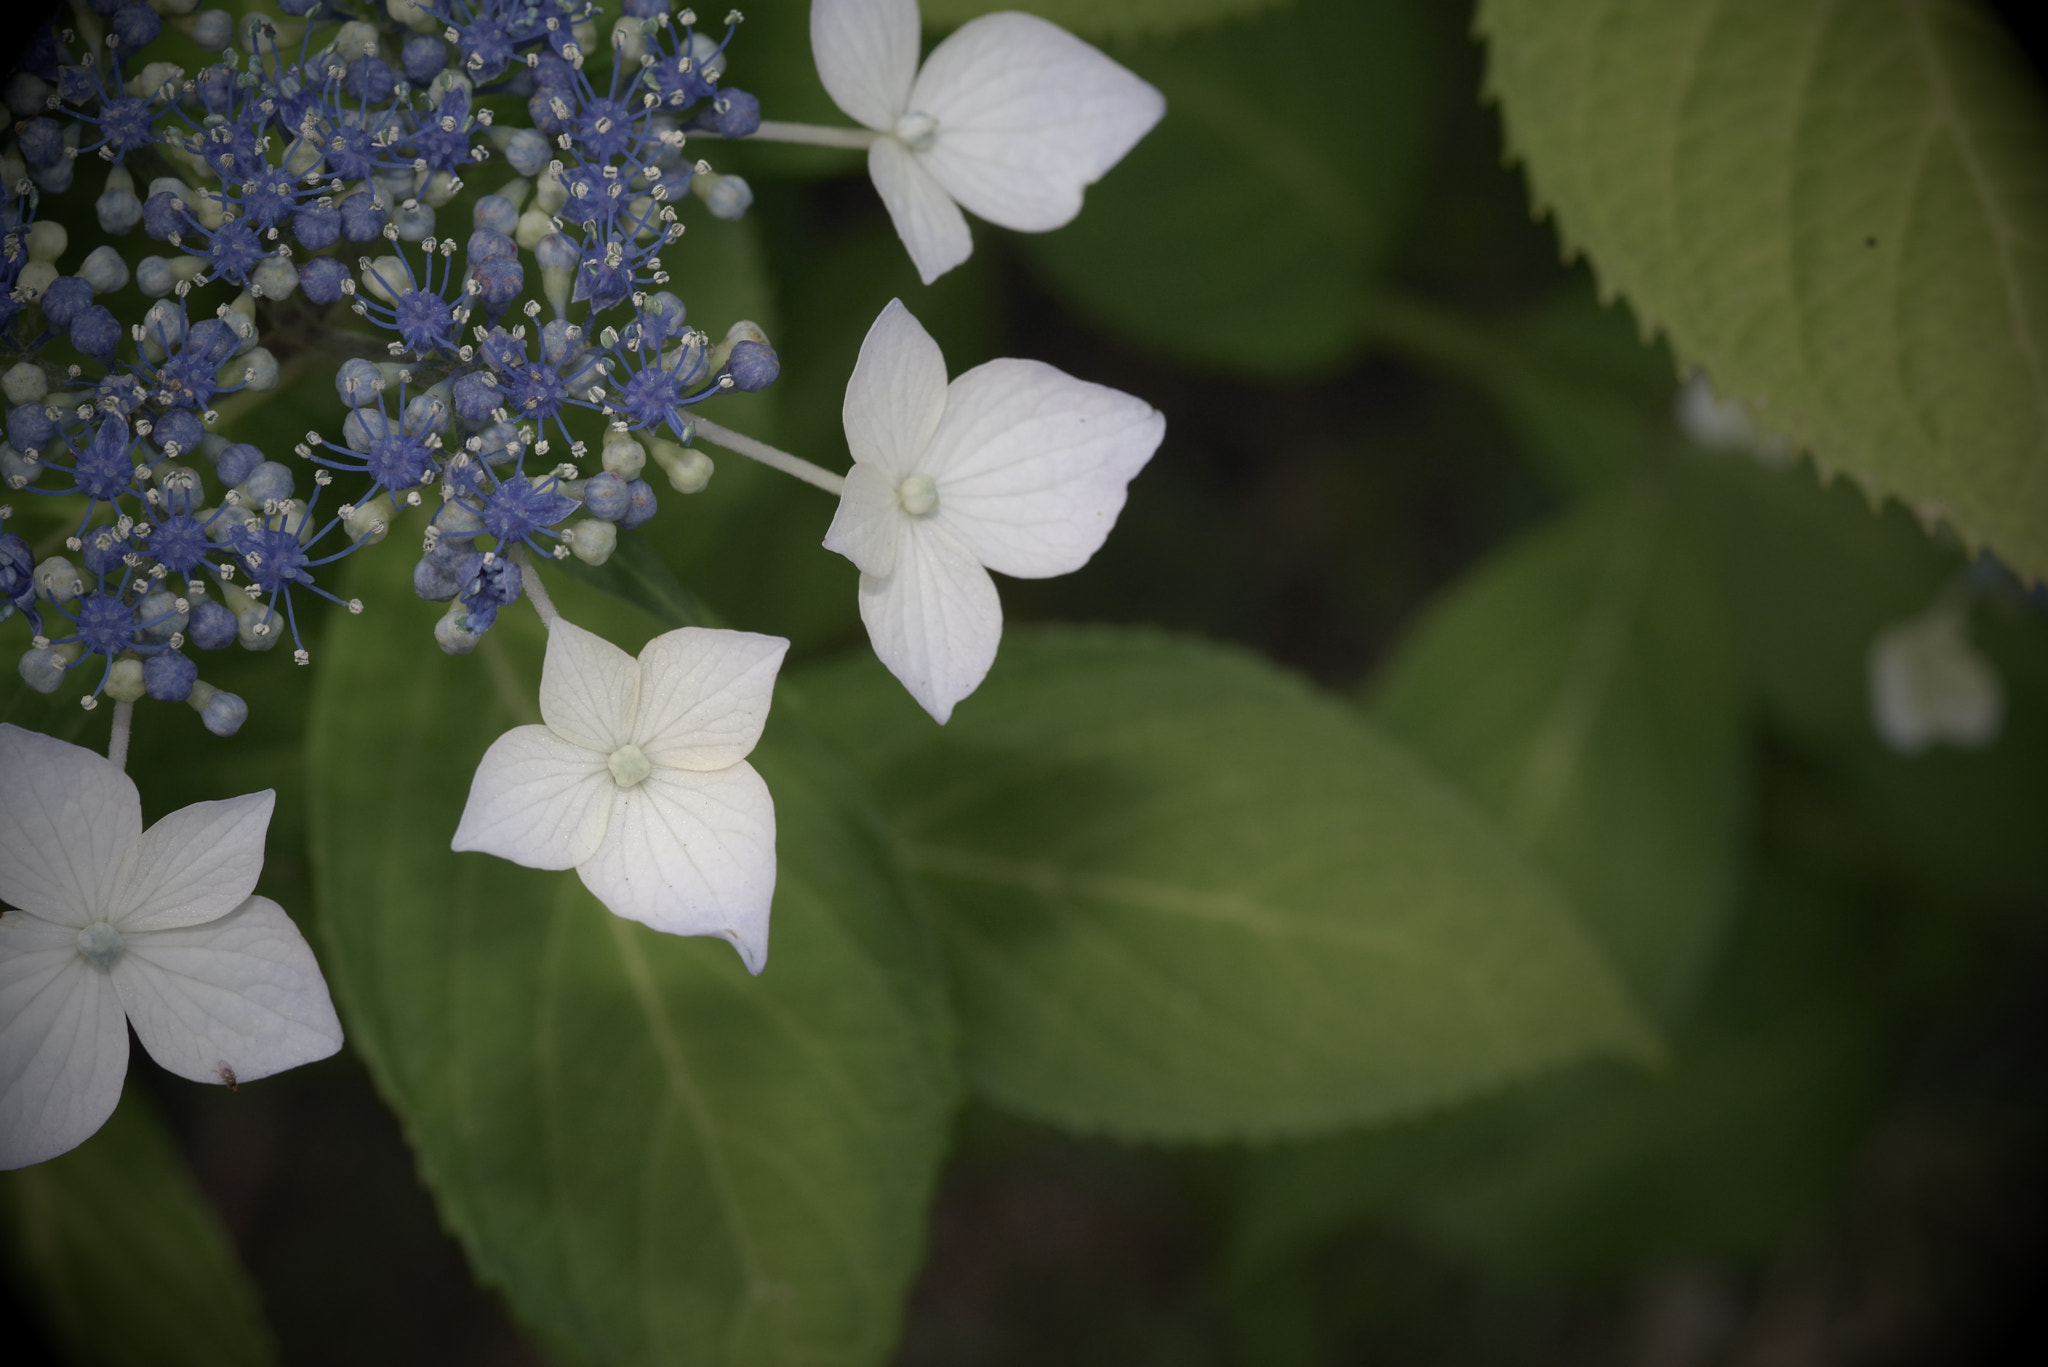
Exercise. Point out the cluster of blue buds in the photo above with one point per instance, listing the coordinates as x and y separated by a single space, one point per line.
294 178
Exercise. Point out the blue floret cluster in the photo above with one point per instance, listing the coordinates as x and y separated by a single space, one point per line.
294 183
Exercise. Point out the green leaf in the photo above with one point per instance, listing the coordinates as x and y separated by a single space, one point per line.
124 1260
1243 231
1583 686
1836 210
1598 1173
656 1157
1105 20
1187 898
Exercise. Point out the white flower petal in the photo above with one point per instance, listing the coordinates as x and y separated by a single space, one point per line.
1028 117
692 854
936 621
926 218
232 1000
63 1042
895 396
589 688
704 696
1032 464
537 800
69 821
197 864
869 520
866 52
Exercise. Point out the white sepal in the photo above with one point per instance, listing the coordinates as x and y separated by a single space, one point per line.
1028 117
537 800
1032 464
704 696
931 225
936 621
63 1042
197 864
589 688
869 521
896 394
229 1001
69 821
866 51
692 854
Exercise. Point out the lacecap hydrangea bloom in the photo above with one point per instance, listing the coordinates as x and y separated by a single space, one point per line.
471 216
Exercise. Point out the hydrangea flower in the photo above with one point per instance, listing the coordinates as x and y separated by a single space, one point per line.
1010 117
638 780
1014 466
1929 686
116 925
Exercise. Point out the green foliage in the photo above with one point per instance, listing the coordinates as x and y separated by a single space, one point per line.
1243 231
1105 20
124 1260
1583 686
1835 210
1186 898
655 1157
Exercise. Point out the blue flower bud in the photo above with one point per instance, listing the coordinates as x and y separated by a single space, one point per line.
66 298
214 29
163 214
223 713
42 670
158 617
735 113
101 550
370 79
317 226
359 382
642 506
211 626
752 365
321 279
180 427
500 280
607 496
17 572
119 211
527 150
298 9
97 333
42 144
438 578
497 214
426 414
168 676
154 277
477 397
135 26
362 216
422 57
727 197
29 427
104 270
236 463
646 9
269 482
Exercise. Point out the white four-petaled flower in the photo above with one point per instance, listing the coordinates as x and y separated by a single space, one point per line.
1014 466
1010 117
114 924
638 780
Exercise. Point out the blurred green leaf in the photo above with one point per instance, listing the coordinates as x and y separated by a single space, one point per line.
1243 231
1103 20
1597 1172
1583 686
655 1157
1187 898
124 1260
1835 210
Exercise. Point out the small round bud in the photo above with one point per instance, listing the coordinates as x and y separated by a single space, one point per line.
168 676
124 681
590 540
223 713
25 383
211 626
43 669
641 505
104 269
607 496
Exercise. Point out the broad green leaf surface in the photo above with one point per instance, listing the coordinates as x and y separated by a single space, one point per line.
1243 231
1838 208
1596 1173
1103 20
1584 687
123 1260
1187 898
657 1158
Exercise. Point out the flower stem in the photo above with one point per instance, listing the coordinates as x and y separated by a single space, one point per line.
811 134
769 456
536 592
117 742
